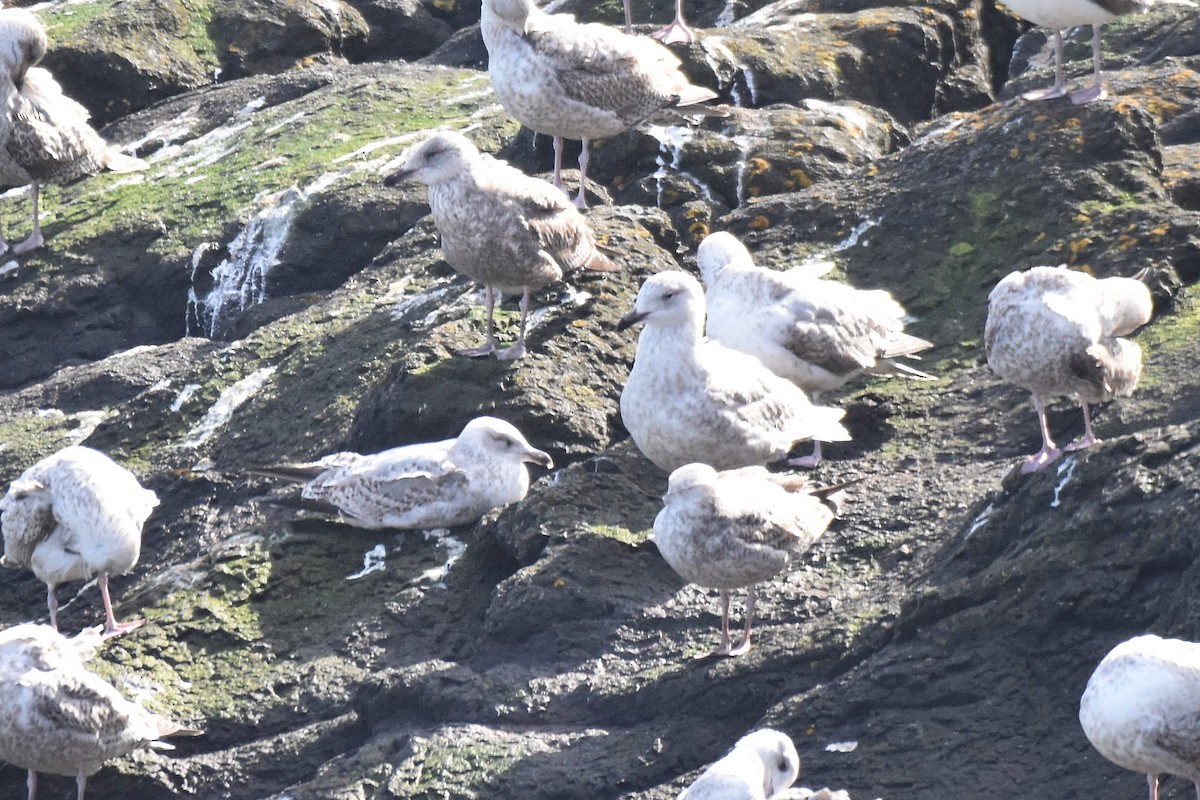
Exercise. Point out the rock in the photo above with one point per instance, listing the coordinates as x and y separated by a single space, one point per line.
268 36
397 29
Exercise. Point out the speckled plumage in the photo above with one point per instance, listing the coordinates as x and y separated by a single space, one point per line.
60 718
73 515
427 485
1141 708
760 766
1054 331
691 400
734 529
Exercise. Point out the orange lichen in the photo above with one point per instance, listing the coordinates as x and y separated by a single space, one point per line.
760 223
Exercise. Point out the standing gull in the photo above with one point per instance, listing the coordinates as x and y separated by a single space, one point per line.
1055 331
817 333
733 529
692 400
760 766
1060 14
45 136
573 80
1141 708
74 515
500 227
422 486
58 717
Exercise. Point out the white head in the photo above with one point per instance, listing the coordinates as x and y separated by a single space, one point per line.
513 13
669 300
499 438
1126 305
718 251
440 158
25 498
690 476
780 761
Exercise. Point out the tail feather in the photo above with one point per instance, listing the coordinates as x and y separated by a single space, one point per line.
902 344
116 161
886 366
300 473
600 262
824 424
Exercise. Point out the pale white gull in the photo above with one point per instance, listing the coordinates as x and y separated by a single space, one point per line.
572 80
762 765
1055 331
45 136
734 529
692 400
1060 14
1141 708
74 515
422 486
498 226
60 718
819 334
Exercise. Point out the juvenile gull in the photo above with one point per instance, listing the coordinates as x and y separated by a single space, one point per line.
692 400
1141 708
500 227
760 766
1055 331
58 717
1060 14
817 333
733 529
574 80
45 136
74 515
422 486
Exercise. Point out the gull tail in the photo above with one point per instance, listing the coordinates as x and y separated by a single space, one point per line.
824 424
886 366
300 473
600 262
116 161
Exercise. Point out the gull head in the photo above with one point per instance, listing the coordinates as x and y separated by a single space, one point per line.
718 251
504 441
780 761
668 299
439 159
513 13
1126 305
689 476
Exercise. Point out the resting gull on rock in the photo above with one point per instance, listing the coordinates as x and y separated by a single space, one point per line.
500 227
422 486
817 333
692 400
734 529
1141 708
1055 331
74 515
760 766
58 717
572 80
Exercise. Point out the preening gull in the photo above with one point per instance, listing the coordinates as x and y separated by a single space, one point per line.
572 80
817 333
73 515
1141 708
510 232
44 135
761 765
1060 14
58 717
1055 331
692 400
733 529
422 486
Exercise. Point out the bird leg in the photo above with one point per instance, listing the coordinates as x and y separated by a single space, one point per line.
677 30
1049 450
488 347
745 643
1096 90
584 158
518 349
31 783
81 782
1089 438
628 18
52 603
1152 780
1059 87
111 628
807 461
558 150
723 650
3 243
35 239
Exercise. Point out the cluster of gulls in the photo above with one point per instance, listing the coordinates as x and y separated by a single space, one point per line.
722 386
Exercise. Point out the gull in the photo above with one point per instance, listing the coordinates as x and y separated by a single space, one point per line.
74 515
422 486
574 80
692 400
819 334
500 227
762 765
1055 331
734 529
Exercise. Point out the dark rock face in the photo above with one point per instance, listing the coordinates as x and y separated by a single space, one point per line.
947 622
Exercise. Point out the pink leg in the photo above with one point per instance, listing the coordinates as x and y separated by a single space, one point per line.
1049 450
1059 87
1152 780
31 783
725 644
488 347
558 148
677 30
52 603
628 18
81 782
1096 90
745 644
3 243
1089 438
111 626
518 349
584 159
35 239
809 461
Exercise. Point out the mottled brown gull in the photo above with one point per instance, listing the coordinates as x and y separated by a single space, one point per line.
1055 331
572 80
734 529
60 718
1141 708
74 515
762 765
422 486
692 400
45 136
510 232
819 334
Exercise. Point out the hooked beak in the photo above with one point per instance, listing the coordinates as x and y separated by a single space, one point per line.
632 318
401 176
539 457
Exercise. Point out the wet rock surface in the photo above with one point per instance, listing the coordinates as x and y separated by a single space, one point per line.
939 635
